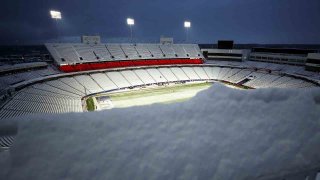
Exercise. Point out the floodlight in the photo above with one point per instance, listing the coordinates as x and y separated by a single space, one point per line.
187 24
130 21
55 15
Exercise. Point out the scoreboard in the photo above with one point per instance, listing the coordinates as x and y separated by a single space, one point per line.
91 39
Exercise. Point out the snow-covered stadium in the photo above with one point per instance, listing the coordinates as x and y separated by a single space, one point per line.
96 69
255 114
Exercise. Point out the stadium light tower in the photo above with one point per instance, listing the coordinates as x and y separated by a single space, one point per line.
130 22
187 26
56 15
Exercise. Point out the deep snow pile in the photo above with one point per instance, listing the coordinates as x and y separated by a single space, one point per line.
221 133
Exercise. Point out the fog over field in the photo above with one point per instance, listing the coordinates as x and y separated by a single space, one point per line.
221 133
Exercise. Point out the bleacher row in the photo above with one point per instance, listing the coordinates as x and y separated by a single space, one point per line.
64 94
297 70
11 79
84 53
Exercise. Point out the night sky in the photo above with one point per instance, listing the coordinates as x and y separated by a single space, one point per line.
245 21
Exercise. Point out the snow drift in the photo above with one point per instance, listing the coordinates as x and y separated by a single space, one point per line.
221 133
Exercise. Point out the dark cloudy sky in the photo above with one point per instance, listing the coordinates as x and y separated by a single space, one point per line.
245 21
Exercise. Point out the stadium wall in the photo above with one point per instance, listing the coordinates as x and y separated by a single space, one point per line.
130 63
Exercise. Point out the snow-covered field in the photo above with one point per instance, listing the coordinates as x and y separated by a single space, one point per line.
222 133
166 94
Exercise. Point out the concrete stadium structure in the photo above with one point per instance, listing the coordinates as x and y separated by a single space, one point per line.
79 57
